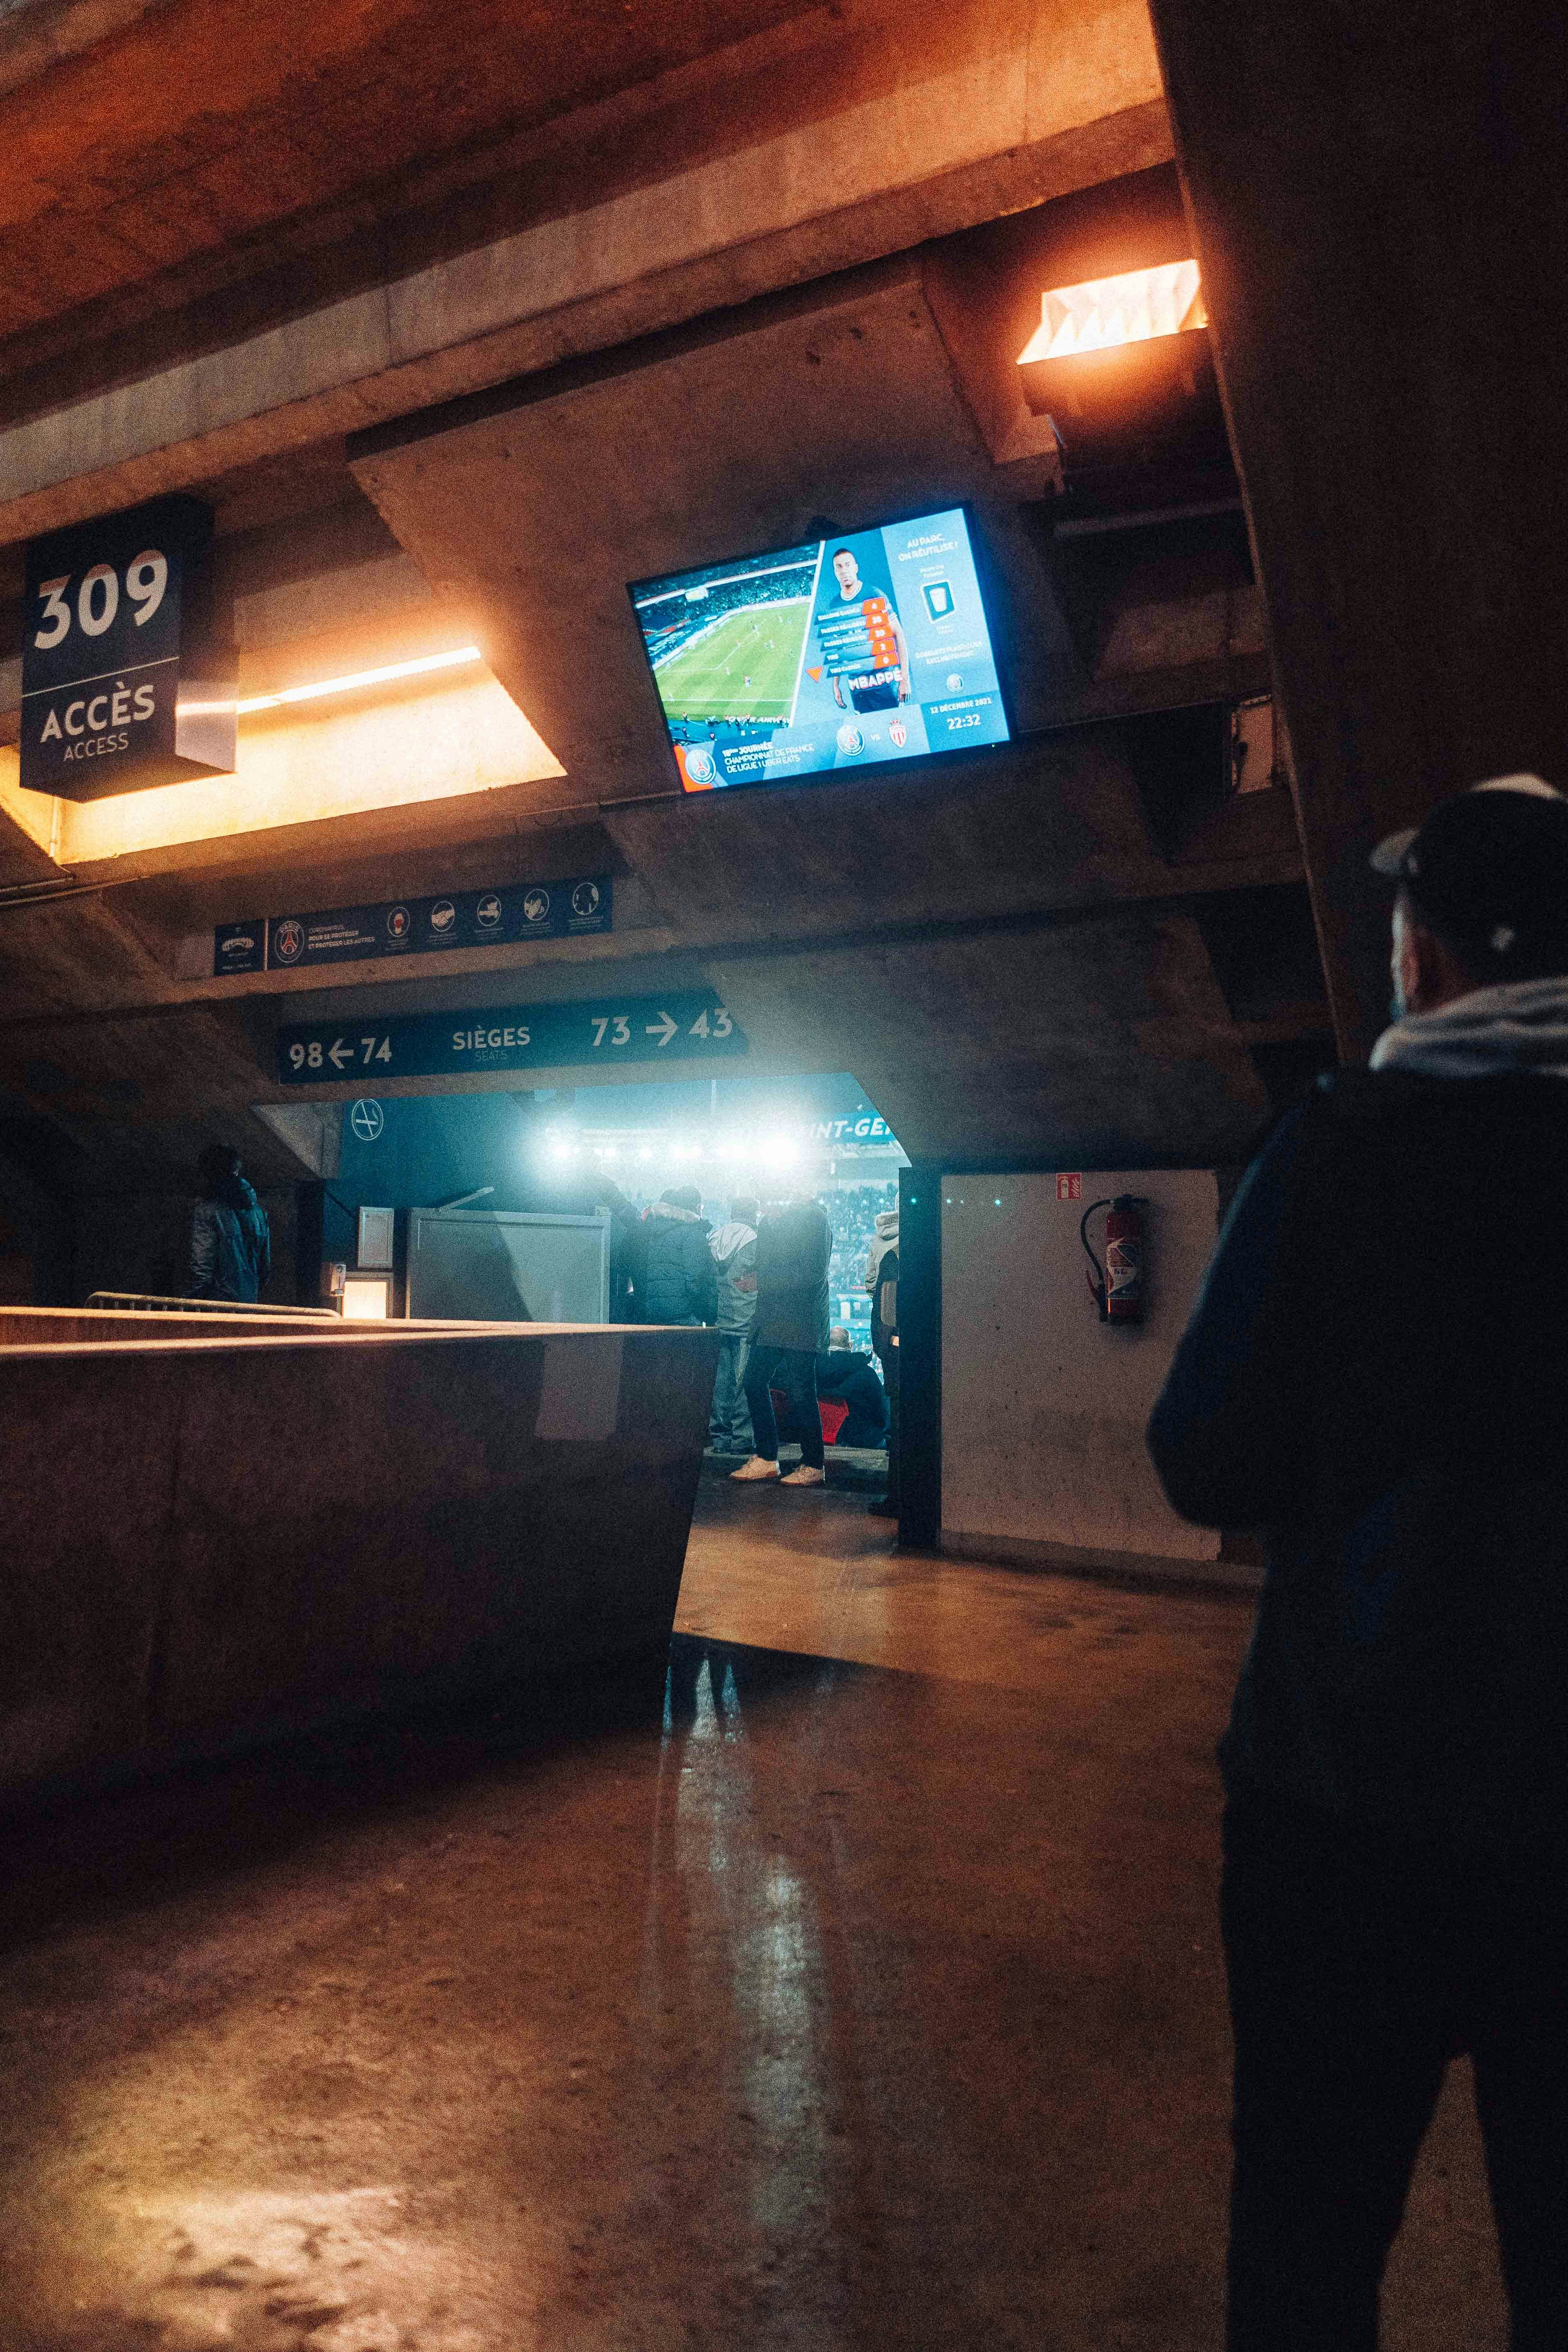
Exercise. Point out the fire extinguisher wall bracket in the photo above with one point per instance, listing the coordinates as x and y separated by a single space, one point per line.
1118 1287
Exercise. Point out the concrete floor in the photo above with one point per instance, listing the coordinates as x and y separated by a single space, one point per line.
871 1998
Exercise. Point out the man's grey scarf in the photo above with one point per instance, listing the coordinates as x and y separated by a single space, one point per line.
1522 1025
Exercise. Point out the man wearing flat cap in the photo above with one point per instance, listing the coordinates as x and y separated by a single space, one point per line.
1376 1375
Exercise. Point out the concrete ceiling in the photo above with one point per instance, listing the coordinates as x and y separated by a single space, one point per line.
1008 952
206 124
643 272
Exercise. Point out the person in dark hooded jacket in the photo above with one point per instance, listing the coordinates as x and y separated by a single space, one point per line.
679 1280
231 1248
1374 1374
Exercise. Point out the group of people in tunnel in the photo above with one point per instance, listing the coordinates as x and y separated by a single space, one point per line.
762 1278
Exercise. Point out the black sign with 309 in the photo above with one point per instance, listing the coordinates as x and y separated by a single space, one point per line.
121 676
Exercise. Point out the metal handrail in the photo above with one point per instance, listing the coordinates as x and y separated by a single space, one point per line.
145 1302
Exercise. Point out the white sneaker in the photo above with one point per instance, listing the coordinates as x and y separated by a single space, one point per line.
756 1468
805 1476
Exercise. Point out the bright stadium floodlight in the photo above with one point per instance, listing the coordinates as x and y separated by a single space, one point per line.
1137 306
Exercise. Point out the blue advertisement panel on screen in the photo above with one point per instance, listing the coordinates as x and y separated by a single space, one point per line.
846 653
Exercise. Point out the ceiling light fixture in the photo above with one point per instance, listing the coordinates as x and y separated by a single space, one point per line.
359 677
1135 307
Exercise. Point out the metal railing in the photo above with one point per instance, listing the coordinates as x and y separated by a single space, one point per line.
143 1302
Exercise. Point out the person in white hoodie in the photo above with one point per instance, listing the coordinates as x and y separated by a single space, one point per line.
734 1251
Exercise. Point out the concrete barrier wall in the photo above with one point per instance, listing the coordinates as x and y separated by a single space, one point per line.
211 1540
49 1326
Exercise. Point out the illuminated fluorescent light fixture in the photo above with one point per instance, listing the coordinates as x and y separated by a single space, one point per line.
359 677
1136 308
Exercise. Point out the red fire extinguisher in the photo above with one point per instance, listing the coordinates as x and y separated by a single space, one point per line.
1118 1287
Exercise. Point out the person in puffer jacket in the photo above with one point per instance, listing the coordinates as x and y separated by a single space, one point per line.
679 1286
231 1247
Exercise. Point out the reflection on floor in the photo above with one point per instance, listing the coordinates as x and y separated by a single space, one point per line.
856 1987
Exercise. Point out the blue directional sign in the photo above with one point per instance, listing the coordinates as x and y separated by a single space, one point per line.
686 1024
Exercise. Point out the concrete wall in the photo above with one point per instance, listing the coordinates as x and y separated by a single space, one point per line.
214 1540
1044 1406
138 1237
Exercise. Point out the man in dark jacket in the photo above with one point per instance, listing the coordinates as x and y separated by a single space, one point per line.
678 1268
789 1331
231 1247
1376 1373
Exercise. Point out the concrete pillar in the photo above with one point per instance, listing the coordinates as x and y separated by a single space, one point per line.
1382 220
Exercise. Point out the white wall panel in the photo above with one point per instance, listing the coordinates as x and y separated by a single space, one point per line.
1044 1406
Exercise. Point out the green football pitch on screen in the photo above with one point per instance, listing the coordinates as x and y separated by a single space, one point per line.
743 668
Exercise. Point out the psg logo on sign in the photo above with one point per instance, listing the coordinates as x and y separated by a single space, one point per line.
700 765
288 939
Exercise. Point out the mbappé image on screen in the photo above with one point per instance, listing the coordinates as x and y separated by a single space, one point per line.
846 653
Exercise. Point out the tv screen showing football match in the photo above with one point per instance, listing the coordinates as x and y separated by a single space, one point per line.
845 653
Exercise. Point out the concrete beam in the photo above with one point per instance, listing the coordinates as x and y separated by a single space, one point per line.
1016 109
538 507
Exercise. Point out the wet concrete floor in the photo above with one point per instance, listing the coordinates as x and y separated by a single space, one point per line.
861 1988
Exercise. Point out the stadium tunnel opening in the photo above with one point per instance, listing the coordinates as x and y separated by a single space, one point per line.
562 1152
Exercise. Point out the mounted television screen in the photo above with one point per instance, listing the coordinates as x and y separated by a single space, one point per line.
846 653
